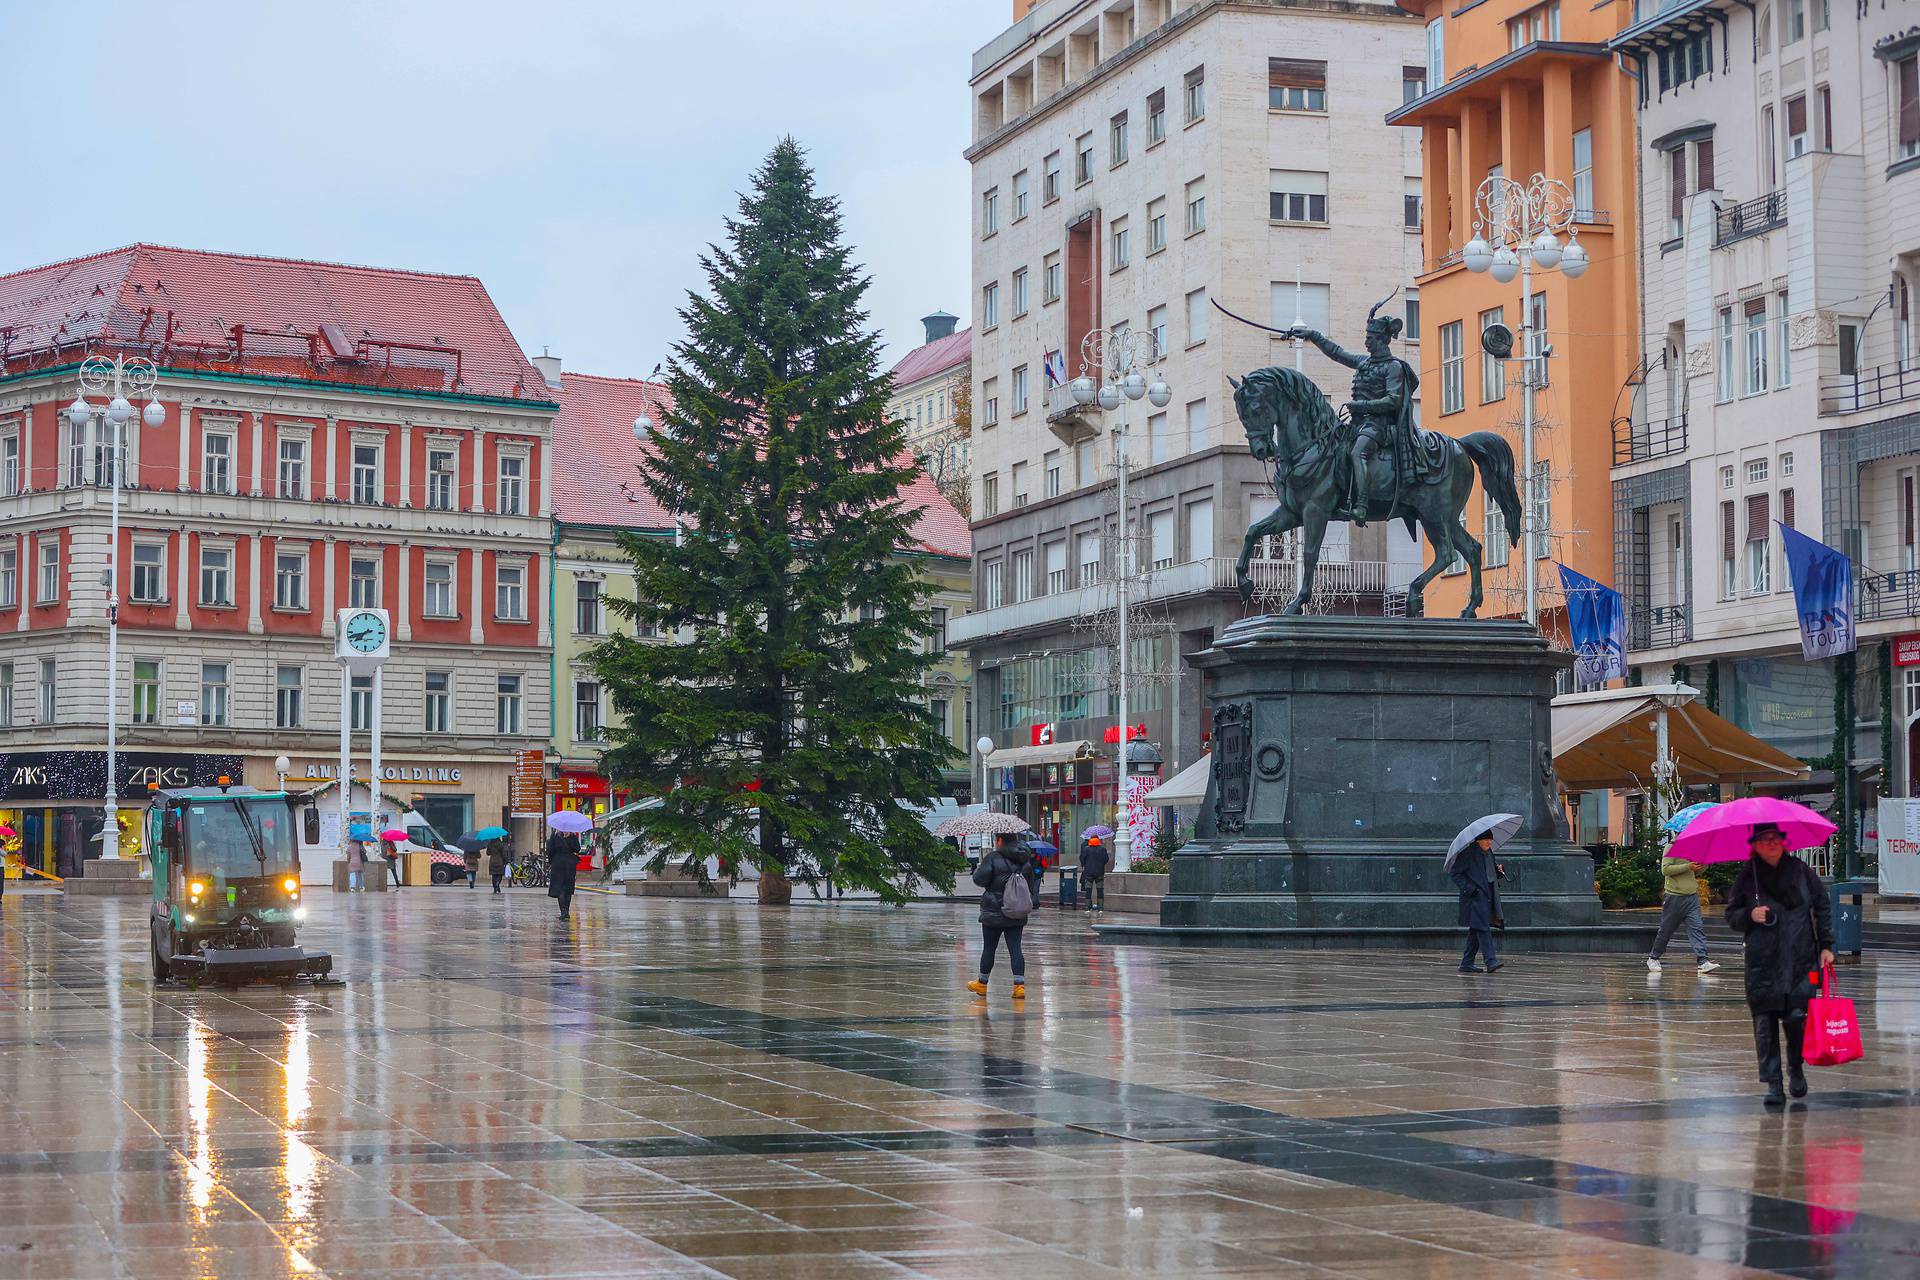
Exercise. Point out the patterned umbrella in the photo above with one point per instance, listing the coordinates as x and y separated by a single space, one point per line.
989 824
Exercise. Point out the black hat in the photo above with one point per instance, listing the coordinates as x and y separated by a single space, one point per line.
1764 829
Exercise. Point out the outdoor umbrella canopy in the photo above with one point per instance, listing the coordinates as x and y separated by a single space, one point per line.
1679 822
571 821
492 833
1720 834
982 824
1102 832
470 843
1500 826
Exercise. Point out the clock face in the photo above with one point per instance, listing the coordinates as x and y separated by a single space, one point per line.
366 633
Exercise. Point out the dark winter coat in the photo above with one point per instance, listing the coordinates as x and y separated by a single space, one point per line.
992 875
1094 859
1473 874
563 862
497 859
1784 950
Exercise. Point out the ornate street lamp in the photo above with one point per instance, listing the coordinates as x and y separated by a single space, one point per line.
116 377
1118 357
1517 227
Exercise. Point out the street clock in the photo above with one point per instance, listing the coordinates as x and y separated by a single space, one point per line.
362 639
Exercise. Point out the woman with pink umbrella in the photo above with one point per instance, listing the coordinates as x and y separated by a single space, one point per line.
1781 909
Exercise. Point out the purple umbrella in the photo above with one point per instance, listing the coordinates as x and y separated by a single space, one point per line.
1102 832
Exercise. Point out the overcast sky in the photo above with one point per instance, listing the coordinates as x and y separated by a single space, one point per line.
575 156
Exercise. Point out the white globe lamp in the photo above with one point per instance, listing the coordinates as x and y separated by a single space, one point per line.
1573 260
1109 397
1083 390
1546 251
1477 254
1133 386
1506 264
155 414
1159 394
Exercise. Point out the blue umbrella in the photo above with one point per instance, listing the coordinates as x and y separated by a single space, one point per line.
1678 822
360 831
1043 848
492 833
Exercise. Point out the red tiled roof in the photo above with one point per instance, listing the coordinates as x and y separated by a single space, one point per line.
596 461
274 317
937 356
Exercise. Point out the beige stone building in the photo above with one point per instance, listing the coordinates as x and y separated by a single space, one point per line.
1134 162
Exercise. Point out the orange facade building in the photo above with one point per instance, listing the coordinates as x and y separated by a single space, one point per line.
1514 90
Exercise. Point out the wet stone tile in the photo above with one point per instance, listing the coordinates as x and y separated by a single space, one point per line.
685 1088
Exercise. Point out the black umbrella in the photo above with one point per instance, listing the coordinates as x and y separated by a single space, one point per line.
471 844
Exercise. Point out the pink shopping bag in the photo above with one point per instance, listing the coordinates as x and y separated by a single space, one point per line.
1833 1033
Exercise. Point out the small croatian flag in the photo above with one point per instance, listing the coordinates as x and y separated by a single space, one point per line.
1056 367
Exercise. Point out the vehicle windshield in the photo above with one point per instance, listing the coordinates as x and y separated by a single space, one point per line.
220 837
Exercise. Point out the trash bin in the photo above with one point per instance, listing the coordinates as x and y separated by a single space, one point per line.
1069 887
1848 912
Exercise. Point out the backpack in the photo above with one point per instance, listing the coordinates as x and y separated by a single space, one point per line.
1016 899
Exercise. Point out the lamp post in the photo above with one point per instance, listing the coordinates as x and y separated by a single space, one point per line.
1517 227
1111 361
115 377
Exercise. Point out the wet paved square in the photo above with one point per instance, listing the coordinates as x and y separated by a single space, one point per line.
709 1089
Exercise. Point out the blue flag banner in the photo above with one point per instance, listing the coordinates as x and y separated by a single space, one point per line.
1822 594
1597 620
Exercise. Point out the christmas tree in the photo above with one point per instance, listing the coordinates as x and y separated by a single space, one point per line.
788 723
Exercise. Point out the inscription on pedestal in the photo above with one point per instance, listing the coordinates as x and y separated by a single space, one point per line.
1232 764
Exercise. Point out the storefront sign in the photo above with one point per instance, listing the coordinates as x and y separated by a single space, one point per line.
1900 847
1042 734
445 775
82 775
1906 650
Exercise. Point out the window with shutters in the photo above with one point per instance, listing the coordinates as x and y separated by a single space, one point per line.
1022 570
1729 579
1783 341
1056 567
1676 193
1160 539
1118 141
1786 518
1296 84
1723 388
1156 116
1759 576
1908 559
1495 547
1906 79
1413 83
1703 165
1796 126
1823 98
1087 551
1297 195
1453 370
1196 94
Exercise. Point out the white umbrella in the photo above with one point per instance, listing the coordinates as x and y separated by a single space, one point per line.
989 824
571 821
1500 826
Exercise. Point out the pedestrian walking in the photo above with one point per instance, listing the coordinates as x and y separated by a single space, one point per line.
1094 861
1476 875
497 862
356 866
391 853
1781 909
1006 900
563 866
1681 906
472 858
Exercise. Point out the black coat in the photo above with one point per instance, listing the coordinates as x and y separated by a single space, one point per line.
563 862
1473 873
1784 950
992 875
1094 860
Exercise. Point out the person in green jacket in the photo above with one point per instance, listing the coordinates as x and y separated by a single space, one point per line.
1681 906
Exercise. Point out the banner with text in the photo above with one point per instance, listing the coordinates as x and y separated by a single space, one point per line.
1822 594
1597 621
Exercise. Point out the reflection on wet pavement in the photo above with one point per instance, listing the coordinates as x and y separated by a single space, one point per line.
701 1089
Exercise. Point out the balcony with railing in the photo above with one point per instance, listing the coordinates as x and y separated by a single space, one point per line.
1736 222
1659 626
1886 595
1640 441
1874 388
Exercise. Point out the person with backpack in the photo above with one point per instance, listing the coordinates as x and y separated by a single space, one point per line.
1093 872
1006 901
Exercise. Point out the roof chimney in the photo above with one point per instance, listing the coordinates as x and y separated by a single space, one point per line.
939 325
549 367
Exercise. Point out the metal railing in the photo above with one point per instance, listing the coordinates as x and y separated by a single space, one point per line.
1330 578
1639 441
1659 627
1738 221
1886 595
1883 384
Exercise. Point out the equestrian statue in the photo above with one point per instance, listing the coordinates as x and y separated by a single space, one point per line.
1370 463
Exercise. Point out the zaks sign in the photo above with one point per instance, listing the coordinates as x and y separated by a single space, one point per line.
1134 733
1042 734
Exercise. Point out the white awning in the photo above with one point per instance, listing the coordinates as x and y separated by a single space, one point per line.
1187 787
1605 741
1050 753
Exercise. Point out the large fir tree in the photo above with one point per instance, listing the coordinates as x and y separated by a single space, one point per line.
790 720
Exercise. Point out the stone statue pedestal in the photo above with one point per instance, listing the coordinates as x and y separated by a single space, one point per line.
1347 751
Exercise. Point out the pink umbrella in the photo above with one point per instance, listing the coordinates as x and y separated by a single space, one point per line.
7 833
1720 834
394 834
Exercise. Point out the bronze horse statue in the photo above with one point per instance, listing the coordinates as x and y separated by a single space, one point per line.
1290 425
